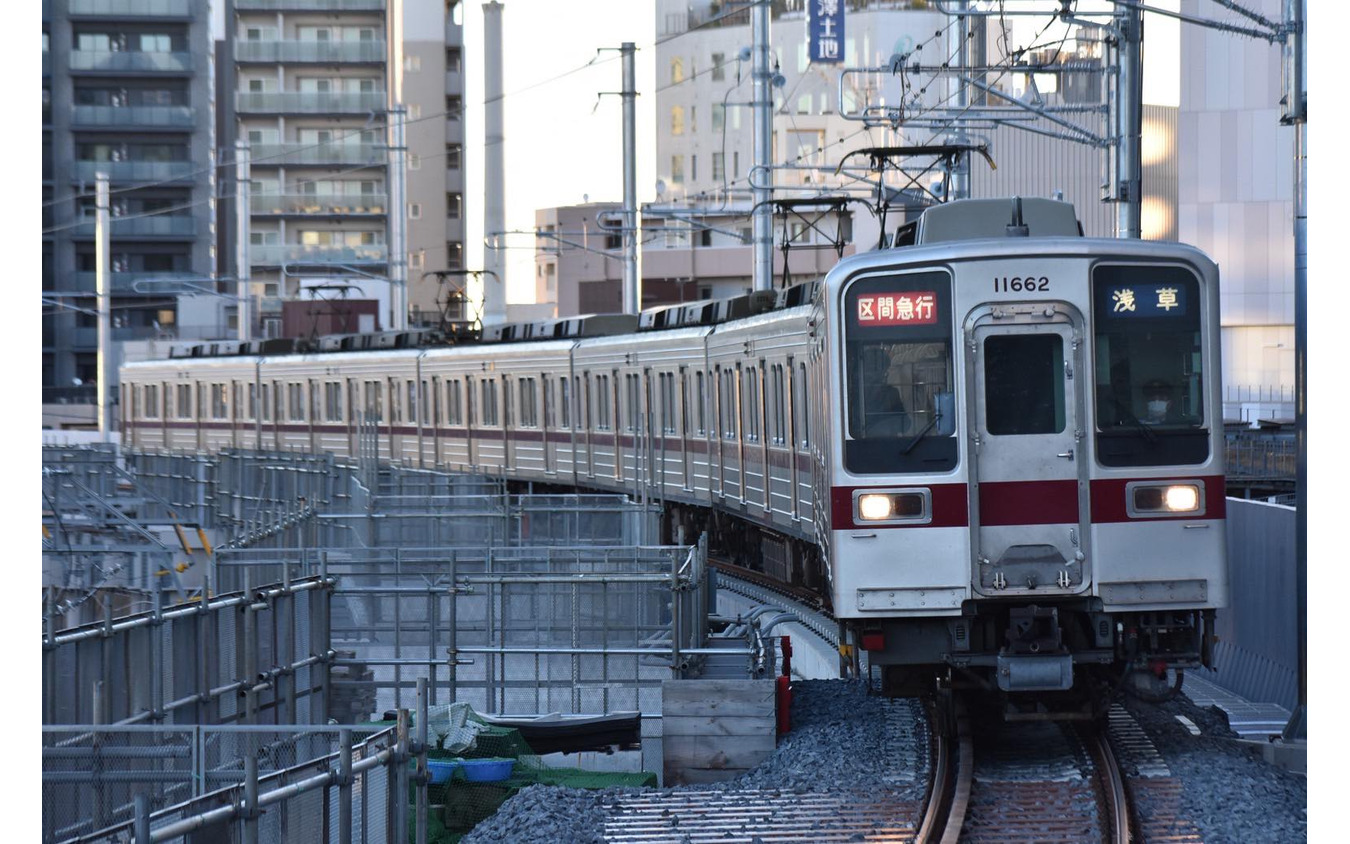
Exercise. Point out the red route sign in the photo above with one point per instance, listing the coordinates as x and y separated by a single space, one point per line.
917 308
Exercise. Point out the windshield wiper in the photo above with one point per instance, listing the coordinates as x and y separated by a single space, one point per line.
909 446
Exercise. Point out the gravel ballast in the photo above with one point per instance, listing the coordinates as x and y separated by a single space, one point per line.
844 739
1229 791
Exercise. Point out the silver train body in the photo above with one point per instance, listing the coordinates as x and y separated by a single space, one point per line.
997 457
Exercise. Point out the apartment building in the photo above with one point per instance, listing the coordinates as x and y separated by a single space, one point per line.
311 93
433 89
313 86
128 89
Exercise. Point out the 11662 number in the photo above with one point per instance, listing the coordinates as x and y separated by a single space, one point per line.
1018 284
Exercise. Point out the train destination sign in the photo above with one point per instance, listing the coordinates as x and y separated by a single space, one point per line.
1142 300
910 308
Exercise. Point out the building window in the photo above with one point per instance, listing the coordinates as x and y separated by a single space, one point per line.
693 168
693 119
676 71
736 164
452 59
414 112
454 154
719 72
414 210
417 260
719 166
677 120
677 169
454 205
414 161
412 64
454 108
719 117
454 256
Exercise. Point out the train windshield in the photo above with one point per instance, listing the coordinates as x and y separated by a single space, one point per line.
900 412
1148 380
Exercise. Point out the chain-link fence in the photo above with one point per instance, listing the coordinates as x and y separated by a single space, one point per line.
257 656
302 784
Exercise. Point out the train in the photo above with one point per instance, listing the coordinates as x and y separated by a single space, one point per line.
993 447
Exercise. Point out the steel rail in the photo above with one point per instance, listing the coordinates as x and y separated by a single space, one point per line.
1112 782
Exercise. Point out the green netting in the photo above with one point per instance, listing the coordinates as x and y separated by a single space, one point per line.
457 806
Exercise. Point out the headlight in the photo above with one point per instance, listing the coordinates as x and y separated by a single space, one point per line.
1181 499
874 507
895 506
1164 499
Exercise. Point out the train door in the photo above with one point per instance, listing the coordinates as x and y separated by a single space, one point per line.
353 417
1028 472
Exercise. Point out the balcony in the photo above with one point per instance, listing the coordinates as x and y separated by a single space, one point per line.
137 117
132 8
122 283
276 155
128 227
319 204
129 62
297 253
309 5
70 395
135 171
326 52
308 102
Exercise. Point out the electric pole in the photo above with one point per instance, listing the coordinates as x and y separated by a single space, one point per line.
244 309
762 173
632 220
102 281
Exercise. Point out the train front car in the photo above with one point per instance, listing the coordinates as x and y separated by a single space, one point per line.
1026 465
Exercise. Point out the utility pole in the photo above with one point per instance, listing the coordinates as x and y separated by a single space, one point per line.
960 180
102 280
494 181
1126 119
1296 113
632 220
398 226
762 173
242 270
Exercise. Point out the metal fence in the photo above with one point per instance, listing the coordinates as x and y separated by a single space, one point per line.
213 783
256 656
510 630
1264 458
1257 652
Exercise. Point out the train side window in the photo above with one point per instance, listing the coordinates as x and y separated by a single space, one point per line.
332 401
631 389
314 394
550 403
564 402
219 408
750 403
799 409
410 397
151 403
183 405
295 402
700 405
684 402
455 408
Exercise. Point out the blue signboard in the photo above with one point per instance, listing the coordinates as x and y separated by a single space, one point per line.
825 30
1141 300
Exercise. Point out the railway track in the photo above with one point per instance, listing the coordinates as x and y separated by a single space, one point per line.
1038 781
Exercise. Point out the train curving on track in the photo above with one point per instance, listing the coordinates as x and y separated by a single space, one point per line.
994 449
